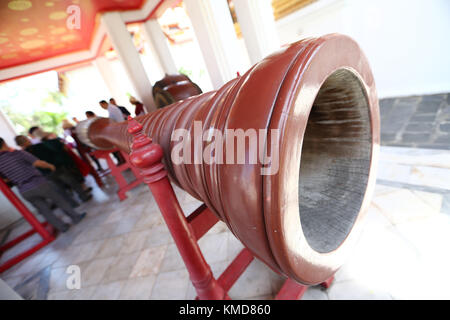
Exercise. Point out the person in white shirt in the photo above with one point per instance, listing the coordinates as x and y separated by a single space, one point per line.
114 113
125 112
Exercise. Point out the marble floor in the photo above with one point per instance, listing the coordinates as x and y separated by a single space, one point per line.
124 250
416 121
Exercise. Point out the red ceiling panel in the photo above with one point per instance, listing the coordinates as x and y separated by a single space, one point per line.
32 30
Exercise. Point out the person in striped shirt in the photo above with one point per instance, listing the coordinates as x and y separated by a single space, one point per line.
20 168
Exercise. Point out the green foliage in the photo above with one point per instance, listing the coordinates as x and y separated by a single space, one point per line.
185 71
54 97
20 121
47 120
195 76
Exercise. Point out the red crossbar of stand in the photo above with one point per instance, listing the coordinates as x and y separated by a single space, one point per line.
147 156
201 220
291 290
116 171
83 152
44 230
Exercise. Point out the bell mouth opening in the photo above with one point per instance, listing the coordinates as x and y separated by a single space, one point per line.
335 161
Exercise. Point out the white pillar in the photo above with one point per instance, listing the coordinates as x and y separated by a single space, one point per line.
129 57
160 46
8 214
113 83
258 27
7 131
214 29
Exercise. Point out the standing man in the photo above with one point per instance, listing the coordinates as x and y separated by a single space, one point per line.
114 112
139 111
19 167
115 115
90 114
124 110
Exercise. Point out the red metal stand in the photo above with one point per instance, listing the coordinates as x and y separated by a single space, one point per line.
292 290
147 156
116 171
44 230
83 152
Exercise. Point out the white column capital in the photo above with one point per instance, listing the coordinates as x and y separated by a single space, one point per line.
114 83
214 29
258 27
129 57
159 44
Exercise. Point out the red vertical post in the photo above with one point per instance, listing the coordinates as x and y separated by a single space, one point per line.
24 211
47 236
117 170
291 290
147 156
327 284
82 151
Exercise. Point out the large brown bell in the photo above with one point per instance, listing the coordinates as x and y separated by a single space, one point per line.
299 207
173 88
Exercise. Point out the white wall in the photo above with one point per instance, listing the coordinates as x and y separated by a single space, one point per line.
407 42
85 88
8 214
7 131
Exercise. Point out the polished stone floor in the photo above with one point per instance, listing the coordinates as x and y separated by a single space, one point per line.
416 121
124 250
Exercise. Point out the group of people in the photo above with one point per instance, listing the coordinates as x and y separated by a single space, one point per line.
48 173
118 113
45 172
